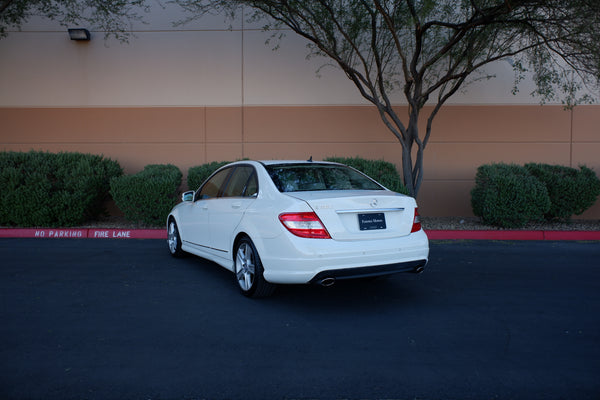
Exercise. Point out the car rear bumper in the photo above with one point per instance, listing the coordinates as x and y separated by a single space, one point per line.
364 272
309 260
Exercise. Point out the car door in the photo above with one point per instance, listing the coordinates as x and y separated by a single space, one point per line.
227 211
194 225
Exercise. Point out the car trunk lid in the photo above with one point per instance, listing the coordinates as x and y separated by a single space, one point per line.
362 215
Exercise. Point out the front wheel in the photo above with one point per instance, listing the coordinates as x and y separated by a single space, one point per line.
249 271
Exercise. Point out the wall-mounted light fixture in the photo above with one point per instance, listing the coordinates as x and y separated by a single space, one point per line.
79 34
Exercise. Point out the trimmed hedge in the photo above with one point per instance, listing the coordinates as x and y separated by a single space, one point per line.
571 191
382 171
48 189
507 195
510 196
149 195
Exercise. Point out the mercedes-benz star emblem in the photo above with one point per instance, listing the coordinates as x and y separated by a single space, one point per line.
374 203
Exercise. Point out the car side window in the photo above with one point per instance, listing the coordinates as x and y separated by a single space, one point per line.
251 186
211 188
241 183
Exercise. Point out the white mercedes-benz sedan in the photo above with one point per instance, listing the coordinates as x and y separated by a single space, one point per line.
283 222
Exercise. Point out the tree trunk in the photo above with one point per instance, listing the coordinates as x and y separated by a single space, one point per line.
407 169
412 173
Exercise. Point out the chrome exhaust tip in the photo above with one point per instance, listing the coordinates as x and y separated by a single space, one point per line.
419 270
326 282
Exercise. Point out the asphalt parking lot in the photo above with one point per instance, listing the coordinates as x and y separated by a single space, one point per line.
113 319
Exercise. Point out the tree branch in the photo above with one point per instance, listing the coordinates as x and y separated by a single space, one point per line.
4 5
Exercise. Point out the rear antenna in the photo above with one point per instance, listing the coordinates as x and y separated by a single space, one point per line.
310 159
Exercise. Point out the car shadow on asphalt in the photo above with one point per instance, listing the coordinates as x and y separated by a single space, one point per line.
371 293
379 293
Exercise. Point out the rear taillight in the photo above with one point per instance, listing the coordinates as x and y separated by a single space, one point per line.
416 226
304 224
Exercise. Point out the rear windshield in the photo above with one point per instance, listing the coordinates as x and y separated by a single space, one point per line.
309 177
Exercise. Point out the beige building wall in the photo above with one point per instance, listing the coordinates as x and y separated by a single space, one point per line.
205 92
465 137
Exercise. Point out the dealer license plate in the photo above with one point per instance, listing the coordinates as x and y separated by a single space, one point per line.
371 221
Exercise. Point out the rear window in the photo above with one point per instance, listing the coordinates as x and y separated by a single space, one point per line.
309 177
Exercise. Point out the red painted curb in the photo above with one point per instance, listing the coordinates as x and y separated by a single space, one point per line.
485 235
43 233
511 235
95 233
571 235
127 233
62 233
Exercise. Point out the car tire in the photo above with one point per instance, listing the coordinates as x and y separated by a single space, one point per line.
248 271
174 240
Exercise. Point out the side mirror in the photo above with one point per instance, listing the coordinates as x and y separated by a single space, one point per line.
188 196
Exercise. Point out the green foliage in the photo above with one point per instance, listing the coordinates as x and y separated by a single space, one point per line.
198 174
571 191
149 195
45 189
382 171
112 17
508 196
430 50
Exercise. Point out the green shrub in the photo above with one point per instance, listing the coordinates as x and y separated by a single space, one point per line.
198 174
149 195
382 171
46 189
571 191
508 196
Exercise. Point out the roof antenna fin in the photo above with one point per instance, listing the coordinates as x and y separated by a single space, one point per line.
310 159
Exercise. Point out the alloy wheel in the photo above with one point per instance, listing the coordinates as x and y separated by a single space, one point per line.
245 267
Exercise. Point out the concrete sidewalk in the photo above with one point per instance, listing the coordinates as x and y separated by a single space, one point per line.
101 233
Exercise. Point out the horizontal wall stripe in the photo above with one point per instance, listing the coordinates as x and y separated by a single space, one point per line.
190 136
